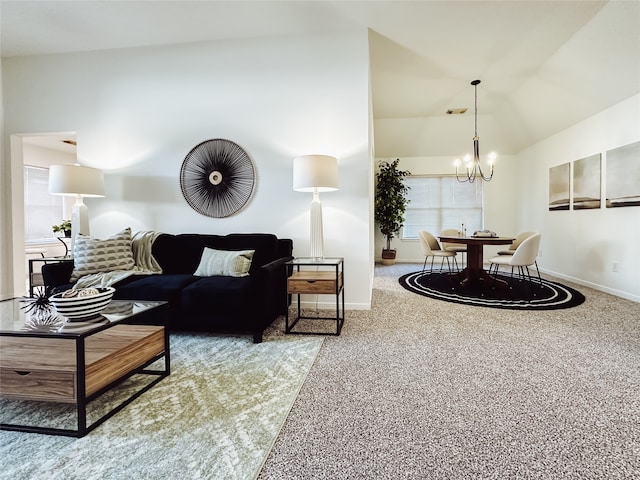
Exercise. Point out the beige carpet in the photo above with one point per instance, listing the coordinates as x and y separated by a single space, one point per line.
421 389
414 389
215 417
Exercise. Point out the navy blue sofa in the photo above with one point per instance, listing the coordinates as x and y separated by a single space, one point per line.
215 304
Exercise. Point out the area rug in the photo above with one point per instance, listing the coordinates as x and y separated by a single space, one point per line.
216 416
520 295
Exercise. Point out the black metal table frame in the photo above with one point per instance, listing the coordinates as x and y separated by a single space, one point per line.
44 260
83 400
339 268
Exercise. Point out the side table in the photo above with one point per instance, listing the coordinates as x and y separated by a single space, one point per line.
319 276
35 279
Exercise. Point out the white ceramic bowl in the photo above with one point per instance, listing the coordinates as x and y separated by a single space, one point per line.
82 307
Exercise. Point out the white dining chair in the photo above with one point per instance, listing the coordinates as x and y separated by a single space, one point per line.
521 237
431 248
516 243
523 257
453 247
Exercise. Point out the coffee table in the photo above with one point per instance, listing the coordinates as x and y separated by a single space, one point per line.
67 362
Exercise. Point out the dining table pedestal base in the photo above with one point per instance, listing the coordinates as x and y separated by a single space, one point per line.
474 275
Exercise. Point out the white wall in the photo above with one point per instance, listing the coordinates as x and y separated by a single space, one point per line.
582 245
38 156
138 112
6 266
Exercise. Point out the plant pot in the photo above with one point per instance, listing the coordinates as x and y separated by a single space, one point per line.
67 233
388 256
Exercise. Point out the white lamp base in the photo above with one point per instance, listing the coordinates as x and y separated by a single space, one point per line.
316 236
79 219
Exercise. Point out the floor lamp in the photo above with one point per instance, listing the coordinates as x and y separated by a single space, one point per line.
78 181
315 173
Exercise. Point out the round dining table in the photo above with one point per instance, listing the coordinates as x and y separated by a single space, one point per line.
474 272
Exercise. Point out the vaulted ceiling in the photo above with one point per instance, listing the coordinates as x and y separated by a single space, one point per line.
544 65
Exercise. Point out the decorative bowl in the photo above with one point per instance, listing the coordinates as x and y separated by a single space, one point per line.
82 305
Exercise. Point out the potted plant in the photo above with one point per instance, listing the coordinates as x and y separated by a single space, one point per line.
64 227
390 204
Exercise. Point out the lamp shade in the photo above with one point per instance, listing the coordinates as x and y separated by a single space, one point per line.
315 173
76 180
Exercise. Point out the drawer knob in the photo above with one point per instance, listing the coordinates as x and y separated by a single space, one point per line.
22 372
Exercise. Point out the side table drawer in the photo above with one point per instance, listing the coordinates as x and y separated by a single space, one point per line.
38 385
324 282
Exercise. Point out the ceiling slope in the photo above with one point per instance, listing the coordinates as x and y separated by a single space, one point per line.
544 65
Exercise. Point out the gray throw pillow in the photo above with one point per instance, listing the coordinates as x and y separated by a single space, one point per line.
93 255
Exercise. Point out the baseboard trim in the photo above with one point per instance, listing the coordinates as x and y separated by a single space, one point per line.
595 286
330 305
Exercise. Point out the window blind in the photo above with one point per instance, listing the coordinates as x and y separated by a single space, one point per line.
41 209
440 202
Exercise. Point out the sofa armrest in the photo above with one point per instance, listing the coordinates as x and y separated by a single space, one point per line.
56 274
275 284
273 281
276 265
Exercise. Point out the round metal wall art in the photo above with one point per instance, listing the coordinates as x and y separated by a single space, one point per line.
217 178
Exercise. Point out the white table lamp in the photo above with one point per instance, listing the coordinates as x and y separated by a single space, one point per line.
315 173
80 182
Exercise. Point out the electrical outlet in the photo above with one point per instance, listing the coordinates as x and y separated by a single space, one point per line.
614 266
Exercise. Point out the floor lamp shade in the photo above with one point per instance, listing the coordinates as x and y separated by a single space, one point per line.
315 173
78 181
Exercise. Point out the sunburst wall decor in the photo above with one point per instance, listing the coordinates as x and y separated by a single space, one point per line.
217 178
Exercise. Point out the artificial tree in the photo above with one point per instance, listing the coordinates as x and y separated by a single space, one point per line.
390 203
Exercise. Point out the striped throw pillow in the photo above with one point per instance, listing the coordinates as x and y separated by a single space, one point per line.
226 263
92 255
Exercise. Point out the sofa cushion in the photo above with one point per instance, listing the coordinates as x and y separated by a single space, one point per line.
228 263
93 255
153 287
182 253
219 295
264 244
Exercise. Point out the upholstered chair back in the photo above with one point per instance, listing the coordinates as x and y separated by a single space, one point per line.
527 251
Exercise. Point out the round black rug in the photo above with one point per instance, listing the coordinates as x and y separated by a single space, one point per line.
520 295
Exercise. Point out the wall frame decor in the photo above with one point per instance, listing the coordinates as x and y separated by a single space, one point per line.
217 178
559 178
622 187
587 179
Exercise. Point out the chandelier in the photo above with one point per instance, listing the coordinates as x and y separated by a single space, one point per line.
472 167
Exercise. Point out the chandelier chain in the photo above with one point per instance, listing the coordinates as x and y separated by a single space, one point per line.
475 115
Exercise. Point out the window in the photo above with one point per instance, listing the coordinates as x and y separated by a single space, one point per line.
41 209
442 202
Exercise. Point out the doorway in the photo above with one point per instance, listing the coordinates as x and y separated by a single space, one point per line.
33 210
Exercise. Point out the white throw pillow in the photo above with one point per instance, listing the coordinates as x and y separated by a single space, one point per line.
226 263
93 255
